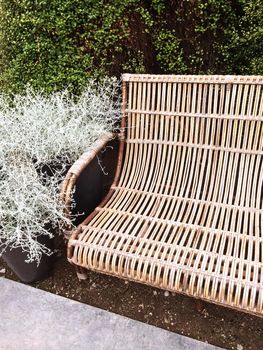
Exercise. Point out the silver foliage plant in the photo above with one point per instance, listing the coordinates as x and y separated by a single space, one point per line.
38 132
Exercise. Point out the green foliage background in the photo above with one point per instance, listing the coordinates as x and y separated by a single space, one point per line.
53 44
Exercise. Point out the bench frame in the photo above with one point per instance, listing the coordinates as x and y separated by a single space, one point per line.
87 157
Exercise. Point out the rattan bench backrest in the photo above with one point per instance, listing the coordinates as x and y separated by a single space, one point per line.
195 136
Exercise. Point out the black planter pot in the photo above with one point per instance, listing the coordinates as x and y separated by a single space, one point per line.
88 194
16 258
93 183
88 191
30 272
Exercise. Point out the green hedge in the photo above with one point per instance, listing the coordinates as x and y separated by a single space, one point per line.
53 44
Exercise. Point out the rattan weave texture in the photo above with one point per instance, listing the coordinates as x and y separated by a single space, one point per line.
185 210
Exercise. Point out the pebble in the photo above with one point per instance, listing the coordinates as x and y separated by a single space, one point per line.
154 292
166 293
2 271
240 347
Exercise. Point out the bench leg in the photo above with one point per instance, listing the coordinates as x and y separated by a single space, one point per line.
200 306
81 273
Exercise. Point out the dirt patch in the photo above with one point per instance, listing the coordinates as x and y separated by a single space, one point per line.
209 323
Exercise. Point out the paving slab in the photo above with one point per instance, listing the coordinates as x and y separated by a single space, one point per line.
34 319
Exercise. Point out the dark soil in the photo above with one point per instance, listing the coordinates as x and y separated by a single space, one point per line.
216 325
206 322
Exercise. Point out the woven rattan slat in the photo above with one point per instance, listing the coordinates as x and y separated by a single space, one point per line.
195 115
194 145
185 211
173 224
199 201
203 79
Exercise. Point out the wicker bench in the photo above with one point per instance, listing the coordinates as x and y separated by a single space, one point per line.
184 212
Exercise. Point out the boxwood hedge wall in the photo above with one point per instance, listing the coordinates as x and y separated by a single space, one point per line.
53 44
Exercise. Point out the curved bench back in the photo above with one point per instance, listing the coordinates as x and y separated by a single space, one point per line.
196 137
